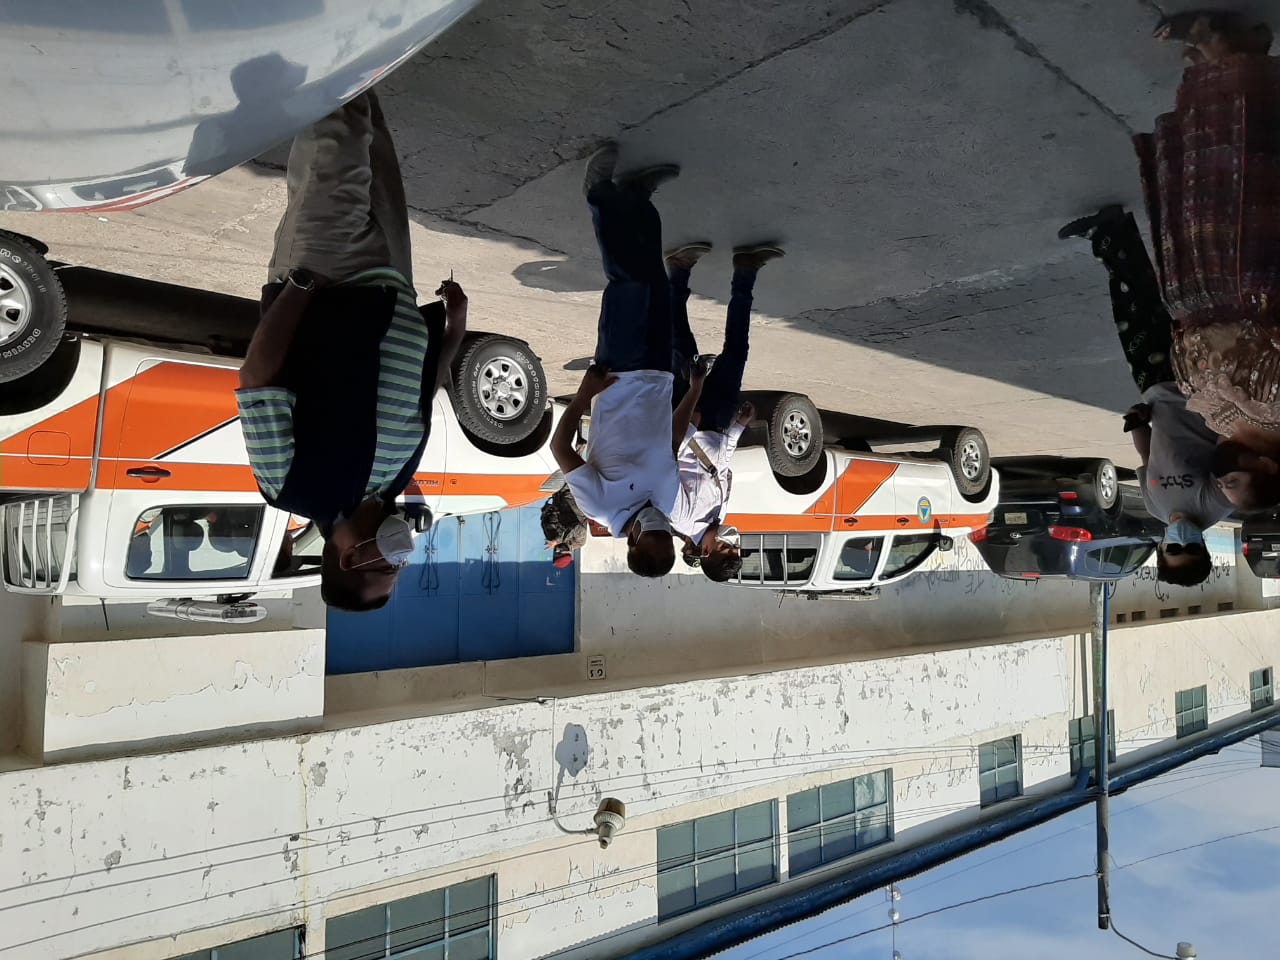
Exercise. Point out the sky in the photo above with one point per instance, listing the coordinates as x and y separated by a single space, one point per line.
1222 897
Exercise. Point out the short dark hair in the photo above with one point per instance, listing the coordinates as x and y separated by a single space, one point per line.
722 565
1186 573
343 589
652 555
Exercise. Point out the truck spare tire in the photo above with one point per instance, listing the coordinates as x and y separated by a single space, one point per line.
33 309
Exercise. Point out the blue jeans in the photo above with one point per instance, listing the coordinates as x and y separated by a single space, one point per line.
722 392
635 311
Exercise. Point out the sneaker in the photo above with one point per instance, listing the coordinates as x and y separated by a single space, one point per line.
686 255
756 256
649 179
600 166
1085 226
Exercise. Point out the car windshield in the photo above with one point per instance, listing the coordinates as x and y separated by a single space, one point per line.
1118 561
909 551
203 542
858 558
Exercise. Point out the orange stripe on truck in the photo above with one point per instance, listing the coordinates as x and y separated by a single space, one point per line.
54 454
859 482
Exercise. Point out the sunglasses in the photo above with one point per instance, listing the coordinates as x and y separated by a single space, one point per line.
1178 549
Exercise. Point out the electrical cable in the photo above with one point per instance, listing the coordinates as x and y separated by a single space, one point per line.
575 792
1150 953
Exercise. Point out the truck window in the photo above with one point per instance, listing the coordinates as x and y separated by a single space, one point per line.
908 551
858 558
200 542
300 550
778 558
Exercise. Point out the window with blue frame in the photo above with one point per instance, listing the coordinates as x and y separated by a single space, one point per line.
710 859
838 820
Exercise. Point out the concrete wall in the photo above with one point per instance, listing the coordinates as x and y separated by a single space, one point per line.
178 851
113 696
953 600
22 619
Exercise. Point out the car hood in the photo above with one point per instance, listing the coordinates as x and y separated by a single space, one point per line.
126 102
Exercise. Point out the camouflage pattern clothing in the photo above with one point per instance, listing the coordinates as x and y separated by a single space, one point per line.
562 521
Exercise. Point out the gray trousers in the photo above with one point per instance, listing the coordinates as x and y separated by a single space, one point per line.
347 210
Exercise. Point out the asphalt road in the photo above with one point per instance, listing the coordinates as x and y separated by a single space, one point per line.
914 156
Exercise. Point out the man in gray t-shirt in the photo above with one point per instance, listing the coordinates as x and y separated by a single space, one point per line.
1177 448
1175 444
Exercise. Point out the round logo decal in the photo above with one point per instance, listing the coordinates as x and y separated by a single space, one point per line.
924 509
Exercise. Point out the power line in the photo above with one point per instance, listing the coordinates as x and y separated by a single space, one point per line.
937 910
918 813
378 831
1197 846
419 879
575 791
844 918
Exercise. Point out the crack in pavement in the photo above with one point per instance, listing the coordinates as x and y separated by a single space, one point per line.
989 18
830 29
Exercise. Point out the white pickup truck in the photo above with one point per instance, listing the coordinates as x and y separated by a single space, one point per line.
123 471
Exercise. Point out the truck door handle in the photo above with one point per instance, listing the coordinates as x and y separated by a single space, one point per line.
149 474
850 521
903 521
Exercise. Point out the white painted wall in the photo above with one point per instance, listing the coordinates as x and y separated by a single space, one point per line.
85 699
200 846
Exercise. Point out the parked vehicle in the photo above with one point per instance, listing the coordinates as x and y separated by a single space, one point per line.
223 83
821 513
123 470
1064 517
1260 544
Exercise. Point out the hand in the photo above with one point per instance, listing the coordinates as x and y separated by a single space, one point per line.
452 294
595 381
746 413
698 373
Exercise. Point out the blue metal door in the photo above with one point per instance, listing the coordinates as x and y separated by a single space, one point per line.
478 588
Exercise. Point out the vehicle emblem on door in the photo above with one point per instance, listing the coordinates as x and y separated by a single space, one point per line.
924 509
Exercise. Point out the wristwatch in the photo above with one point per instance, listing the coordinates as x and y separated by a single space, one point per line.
303 280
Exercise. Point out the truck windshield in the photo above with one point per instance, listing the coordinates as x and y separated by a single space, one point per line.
202 542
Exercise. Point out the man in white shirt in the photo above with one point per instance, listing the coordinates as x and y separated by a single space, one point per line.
628 481
1175 445
719 417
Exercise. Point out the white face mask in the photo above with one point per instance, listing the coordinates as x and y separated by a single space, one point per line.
651 518
394 541
730 536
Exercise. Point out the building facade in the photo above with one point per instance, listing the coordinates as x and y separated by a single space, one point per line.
388 815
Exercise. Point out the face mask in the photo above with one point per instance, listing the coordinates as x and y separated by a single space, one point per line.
729 536
1183 532
652 519
394 541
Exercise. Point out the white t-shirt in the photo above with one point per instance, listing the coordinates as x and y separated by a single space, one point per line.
703 494
629 461
1177 477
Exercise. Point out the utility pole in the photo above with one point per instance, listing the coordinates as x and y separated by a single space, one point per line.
1098 601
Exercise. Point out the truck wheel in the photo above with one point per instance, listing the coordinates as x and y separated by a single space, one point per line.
33 309
1103 483
499 389
795 436
965 451
44 384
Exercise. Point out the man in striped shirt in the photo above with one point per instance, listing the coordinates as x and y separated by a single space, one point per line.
336 389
